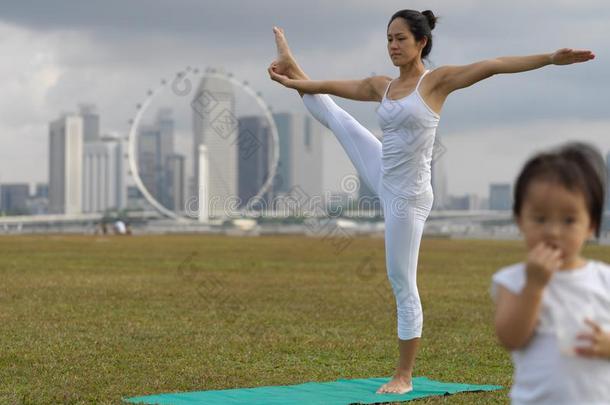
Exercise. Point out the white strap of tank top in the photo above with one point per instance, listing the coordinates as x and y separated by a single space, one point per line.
422 76
416 87
385 95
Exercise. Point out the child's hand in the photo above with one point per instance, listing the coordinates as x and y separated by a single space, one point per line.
600 342
542 261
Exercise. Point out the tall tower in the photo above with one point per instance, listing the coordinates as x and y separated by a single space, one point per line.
103 178
65 165
203 175
255 157
215 125
174 168
500 197
155 147
301 157
91 122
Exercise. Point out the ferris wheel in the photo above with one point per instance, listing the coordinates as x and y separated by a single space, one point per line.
182 85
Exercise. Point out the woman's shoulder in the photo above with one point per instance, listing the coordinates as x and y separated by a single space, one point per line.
437 73
380 84
382 78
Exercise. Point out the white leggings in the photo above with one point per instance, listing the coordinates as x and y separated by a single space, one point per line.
404 217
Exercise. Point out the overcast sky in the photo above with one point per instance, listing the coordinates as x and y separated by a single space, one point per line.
57 54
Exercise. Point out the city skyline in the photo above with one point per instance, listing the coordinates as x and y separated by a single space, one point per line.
162 170
100 149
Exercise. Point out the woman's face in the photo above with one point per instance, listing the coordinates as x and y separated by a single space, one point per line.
557 216
402 46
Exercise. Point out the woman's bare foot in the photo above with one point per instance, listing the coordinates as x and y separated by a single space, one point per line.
286 64
398 385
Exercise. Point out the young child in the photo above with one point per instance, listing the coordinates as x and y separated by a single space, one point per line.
553 309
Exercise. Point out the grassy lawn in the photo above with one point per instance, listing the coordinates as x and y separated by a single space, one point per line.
93 319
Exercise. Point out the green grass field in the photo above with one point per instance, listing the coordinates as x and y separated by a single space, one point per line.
94 319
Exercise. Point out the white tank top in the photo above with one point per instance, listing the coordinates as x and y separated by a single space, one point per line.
409 127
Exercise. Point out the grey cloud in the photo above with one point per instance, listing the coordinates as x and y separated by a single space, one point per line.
229 22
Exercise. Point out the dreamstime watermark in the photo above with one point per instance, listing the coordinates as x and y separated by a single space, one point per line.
314 209
295 201
330 203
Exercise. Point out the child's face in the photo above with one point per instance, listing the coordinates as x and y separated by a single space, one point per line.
557 216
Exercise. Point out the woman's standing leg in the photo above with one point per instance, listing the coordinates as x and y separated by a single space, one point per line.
404 225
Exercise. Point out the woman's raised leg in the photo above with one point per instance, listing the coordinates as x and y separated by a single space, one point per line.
361 146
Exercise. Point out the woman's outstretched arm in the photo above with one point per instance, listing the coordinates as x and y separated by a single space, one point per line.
451 78
367 89
286 71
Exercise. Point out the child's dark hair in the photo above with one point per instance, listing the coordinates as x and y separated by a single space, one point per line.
420 24
577 166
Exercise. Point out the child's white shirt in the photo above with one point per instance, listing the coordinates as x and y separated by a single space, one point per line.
542 374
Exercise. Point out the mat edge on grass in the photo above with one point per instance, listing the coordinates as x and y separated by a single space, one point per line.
347 391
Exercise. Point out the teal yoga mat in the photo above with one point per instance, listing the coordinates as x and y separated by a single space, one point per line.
340 392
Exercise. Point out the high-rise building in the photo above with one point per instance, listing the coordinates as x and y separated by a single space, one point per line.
500 197
176 178
38 204
203 198
165 125
136 200
65 165
13 198
42 190
466 202
91 122
301 157
103 175
155 145
255 159
149 163
215 125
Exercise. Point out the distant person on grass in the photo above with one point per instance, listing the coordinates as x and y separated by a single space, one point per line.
398 168
553 309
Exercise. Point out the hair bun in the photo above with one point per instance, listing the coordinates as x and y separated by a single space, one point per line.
430 17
